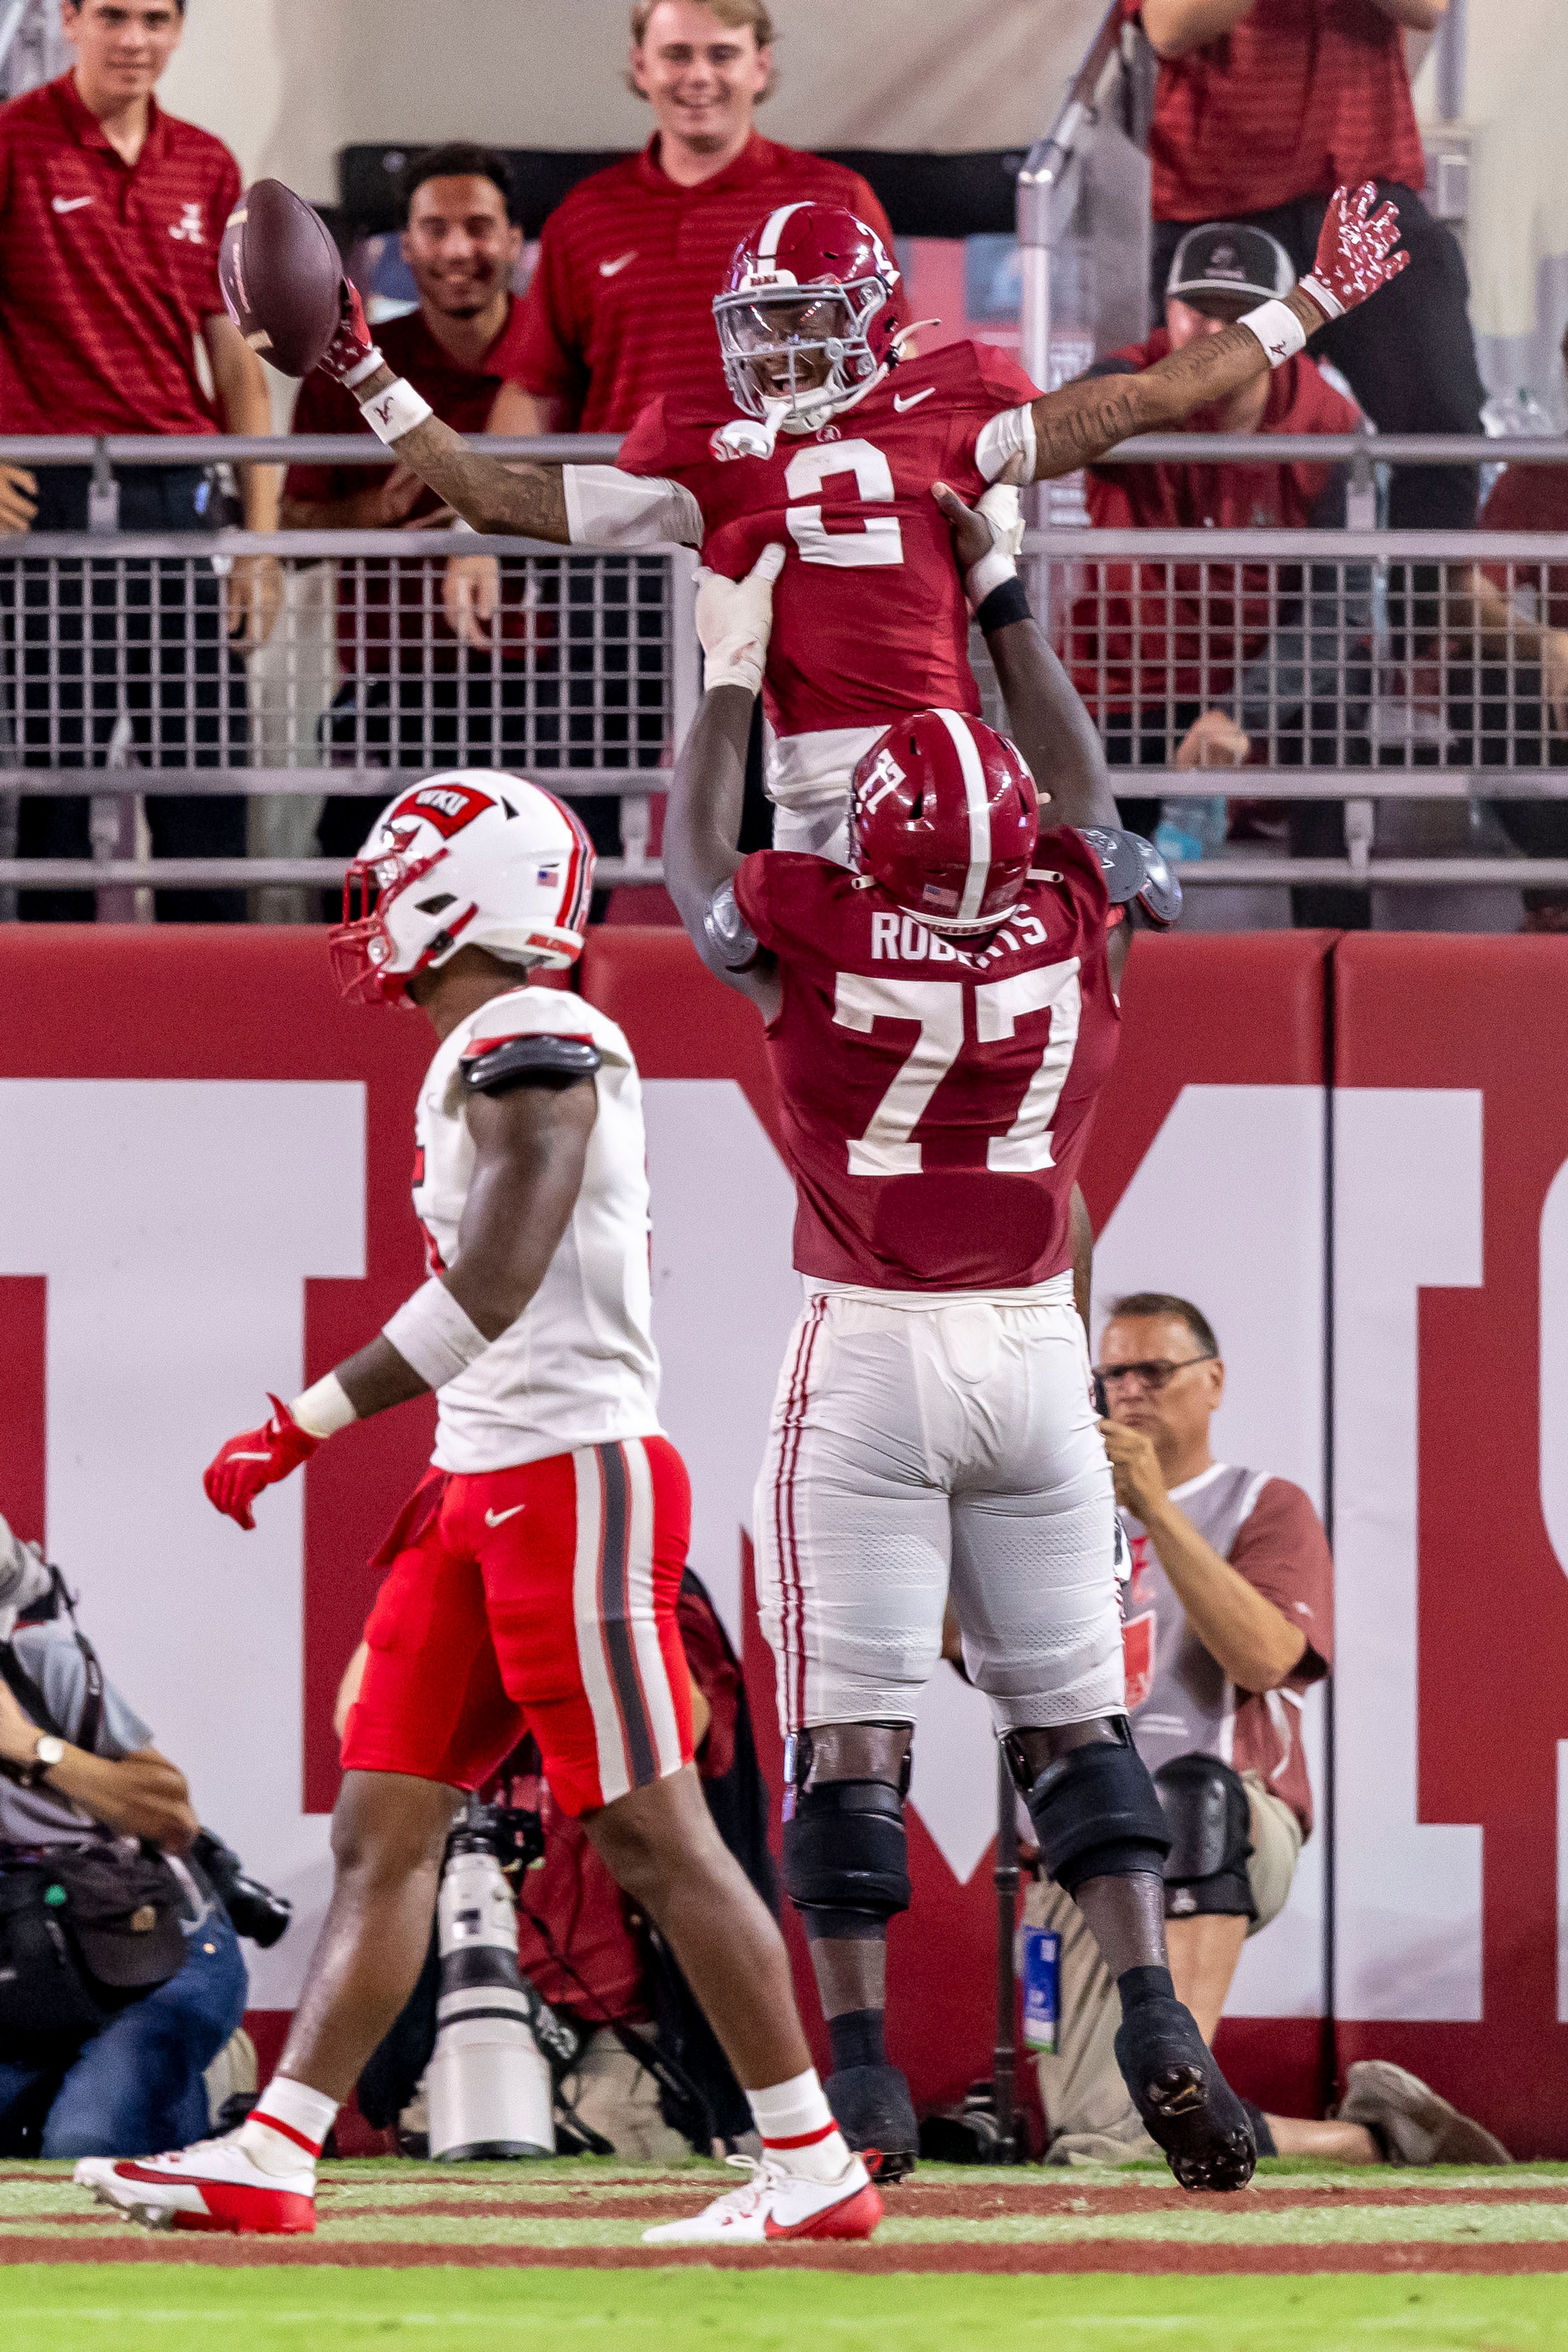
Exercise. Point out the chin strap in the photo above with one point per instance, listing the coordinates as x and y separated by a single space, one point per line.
1133 868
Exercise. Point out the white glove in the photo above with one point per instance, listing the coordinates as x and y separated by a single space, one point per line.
1000 506
734 621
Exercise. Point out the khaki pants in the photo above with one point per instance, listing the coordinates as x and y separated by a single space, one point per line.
1087 2112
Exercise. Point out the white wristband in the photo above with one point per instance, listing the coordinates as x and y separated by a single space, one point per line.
395 411
326 1409
434 1336
1278 330
374 358
995 566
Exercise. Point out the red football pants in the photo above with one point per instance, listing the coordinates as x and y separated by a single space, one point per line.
541 1597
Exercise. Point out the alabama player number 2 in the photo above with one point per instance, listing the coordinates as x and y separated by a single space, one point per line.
882 541
889 1146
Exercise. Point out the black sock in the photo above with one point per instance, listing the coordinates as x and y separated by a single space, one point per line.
857 2039
1260 2131
1138 1986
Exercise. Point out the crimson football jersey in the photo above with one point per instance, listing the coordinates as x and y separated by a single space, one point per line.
935 1100
852 499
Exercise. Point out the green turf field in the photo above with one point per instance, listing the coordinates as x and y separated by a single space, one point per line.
550 2255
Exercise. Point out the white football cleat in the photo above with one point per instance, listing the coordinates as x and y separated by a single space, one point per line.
213 2186
775 2204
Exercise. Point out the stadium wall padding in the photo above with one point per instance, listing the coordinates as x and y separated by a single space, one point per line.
205 1195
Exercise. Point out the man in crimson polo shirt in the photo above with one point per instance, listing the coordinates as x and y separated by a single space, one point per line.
111 214
620 309
1159 657
1263 107
411 696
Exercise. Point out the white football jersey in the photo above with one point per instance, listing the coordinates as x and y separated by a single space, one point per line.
578 1367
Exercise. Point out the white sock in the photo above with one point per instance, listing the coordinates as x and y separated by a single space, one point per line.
284 2130
797 2130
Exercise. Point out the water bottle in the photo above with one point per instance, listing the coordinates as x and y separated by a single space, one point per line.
1041 1974
1192 828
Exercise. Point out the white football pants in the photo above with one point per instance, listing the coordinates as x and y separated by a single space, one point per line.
917 1448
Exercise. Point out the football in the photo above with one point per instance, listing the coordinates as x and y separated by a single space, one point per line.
280 272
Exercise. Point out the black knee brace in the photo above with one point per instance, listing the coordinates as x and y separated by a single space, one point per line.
1095 1810
1210 1820
846 1852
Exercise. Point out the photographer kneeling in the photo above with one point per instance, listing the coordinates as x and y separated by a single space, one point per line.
120 1978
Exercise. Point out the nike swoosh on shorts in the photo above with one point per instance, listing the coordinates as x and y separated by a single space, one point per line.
612 270
494 1519
914 399
70 204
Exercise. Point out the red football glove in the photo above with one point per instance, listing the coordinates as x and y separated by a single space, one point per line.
353 343
256 1458
1355 252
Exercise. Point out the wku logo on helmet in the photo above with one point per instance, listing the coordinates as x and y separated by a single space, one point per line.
448 807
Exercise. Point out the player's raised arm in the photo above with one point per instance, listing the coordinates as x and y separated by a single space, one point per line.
1045 718
531 1131
1356 256
702 814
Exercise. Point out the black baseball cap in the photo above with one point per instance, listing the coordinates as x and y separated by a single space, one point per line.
1229 258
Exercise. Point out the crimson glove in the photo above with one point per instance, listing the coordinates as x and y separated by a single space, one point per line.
353 345
256 1458
1355 253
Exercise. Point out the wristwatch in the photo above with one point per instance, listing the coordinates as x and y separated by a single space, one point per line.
47 1752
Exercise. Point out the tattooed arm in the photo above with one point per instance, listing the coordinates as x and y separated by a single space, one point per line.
1356 256
1082 421
528 501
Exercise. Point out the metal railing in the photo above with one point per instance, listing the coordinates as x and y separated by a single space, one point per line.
1355 662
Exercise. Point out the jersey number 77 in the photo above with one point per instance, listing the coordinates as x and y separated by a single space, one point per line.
888 1147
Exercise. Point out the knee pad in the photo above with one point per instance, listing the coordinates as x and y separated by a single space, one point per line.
846 1854
1095 1810
1210 1821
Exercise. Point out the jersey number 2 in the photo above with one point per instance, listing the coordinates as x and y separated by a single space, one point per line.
881 541
888 1148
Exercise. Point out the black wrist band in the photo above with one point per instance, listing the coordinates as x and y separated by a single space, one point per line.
1006 603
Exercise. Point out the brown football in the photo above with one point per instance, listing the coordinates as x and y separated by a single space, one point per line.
280 273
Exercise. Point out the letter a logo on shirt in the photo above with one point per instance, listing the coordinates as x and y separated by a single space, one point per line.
188 229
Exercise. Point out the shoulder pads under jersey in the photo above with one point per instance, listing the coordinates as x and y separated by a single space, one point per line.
727 931
1133 868
522 1061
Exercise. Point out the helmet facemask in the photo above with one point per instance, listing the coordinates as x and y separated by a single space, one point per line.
363 947
794 354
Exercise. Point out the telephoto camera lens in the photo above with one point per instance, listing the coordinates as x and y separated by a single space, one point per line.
489 2087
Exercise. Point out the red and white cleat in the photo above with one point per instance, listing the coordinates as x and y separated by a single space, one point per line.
775 2205
213 2186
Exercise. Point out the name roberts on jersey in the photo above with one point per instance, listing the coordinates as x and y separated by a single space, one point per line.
935 1126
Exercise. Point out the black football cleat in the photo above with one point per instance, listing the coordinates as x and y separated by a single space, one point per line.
872 2108
1187 2106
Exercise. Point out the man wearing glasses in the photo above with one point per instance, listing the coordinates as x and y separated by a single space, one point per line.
1229 1619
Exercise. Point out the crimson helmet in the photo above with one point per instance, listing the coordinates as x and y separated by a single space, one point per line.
944 814
811 281
461 861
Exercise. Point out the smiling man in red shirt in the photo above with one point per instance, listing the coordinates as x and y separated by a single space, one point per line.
111 214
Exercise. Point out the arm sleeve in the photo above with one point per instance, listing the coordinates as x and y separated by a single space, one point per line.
607 507
1283 1553
1004 396
548 360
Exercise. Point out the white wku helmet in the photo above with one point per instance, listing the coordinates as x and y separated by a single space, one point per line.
462 861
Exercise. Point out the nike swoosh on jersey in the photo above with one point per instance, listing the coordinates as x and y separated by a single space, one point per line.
613 269
494 1519
70 204
914 399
